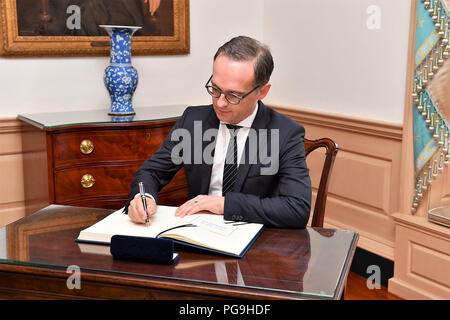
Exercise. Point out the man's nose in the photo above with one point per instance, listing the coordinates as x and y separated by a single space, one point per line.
221 100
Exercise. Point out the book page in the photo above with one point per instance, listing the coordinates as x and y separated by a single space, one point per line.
119 223
213 232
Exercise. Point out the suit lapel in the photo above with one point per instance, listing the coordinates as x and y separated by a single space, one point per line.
211 123
250 158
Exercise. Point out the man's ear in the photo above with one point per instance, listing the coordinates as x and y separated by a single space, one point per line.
263 91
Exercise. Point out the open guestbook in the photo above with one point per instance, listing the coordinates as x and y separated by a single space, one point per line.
204 230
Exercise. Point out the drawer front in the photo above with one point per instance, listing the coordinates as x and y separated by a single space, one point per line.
105 203
116 145
113 180
108 181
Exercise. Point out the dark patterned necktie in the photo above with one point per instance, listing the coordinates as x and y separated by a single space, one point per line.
230 165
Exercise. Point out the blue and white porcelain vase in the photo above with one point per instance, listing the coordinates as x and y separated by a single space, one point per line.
121 78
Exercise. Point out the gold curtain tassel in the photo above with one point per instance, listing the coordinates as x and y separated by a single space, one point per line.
428 120
436 63
441 163
435 171
437 18
419 84
424 113
441 27
414 94
445 146
447 157
425 182
441 138
421 102
441 56
445 38
447 47
430 69
425 75
419 189
434 13
430 177
436 132
431 123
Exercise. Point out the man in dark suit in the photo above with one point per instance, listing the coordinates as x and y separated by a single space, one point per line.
242 159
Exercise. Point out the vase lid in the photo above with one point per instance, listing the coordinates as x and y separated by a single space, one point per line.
109 28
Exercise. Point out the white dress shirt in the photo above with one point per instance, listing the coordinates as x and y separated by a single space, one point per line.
223 138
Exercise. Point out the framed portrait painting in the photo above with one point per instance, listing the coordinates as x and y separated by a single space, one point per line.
52 28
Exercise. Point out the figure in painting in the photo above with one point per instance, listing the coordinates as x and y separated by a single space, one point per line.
83 17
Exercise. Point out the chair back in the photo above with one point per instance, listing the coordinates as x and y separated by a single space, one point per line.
331 149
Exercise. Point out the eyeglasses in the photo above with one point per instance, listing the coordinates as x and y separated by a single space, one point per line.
231 97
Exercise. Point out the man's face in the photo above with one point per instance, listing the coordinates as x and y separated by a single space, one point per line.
235 77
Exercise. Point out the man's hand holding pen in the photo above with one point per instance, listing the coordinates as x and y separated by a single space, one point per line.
136 210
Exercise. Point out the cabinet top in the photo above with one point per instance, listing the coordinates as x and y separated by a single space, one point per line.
49 120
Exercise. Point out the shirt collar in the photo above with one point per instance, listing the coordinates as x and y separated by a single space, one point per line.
247 122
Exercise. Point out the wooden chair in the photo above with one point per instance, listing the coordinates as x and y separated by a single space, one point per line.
331 149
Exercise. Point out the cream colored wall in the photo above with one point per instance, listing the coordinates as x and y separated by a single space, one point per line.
328 59
59 84
325 58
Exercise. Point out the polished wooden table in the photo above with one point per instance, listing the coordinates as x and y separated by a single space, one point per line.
310 263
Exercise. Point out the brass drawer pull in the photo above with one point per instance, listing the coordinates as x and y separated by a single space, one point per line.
86 146
87 180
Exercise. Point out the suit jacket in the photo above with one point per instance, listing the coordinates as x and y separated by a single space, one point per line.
281 199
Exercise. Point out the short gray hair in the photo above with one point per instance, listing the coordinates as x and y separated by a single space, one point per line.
244 48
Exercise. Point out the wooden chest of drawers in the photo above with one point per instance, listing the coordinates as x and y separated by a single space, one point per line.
92 163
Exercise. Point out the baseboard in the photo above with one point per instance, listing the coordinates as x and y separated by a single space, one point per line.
408 291
363 259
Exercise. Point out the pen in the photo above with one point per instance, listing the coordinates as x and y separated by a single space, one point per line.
144 201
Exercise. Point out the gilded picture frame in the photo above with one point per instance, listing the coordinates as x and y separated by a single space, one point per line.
45 28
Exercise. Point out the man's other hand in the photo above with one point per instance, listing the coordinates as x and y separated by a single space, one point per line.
213 204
